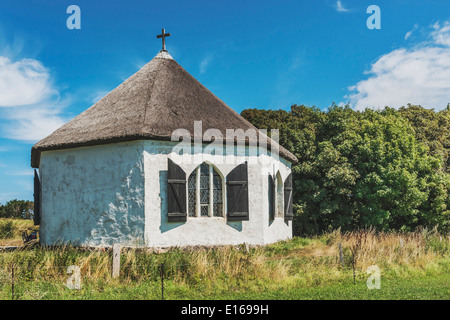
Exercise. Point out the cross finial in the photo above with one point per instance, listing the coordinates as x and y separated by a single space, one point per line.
163 35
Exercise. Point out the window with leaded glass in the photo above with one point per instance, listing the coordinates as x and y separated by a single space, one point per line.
205 192
217 195
192 186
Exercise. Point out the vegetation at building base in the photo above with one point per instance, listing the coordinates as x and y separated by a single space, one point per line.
389 169
414 265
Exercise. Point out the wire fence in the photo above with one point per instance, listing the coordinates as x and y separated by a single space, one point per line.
70 268
18 280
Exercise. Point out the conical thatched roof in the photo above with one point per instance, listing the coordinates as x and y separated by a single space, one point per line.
158 99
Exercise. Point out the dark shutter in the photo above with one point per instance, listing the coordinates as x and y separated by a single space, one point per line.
37 199
176 190
271 195
288 194
237 193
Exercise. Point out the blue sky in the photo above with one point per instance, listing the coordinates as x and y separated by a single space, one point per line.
251 54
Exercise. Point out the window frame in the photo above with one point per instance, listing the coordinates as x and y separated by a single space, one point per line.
279 196
197 205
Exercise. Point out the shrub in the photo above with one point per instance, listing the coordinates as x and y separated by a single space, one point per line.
6 229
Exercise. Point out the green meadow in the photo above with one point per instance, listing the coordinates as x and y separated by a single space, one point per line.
413 265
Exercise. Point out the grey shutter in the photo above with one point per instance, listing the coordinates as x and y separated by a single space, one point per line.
176 193
288 194
271 195
37 199
237 193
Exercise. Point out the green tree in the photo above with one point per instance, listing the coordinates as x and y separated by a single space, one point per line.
369 168
22 209
432 129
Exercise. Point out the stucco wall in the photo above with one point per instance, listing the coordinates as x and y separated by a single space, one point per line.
117 193
93 195
276 229
210 230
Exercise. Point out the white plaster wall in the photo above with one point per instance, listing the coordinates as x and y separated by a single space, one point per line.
93 195
117 193
274 229
210 230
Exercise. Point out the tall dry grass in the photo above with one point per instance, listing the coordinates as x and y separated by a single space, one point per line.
414 250
298 261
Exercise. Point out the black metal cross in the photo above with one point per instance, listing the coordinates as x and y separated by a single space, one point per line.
163 35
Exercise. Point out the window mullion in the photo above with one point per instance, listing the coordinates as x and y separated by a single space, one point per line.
197 194
211 192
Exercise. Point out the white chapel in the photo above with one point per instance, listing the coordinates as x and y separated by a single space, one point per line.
160 161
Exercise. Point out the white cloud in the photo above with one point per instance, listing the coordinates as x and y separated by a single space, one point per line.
31 106
340 8
23 82
205 63
441 34
20 173
98 95
7 196
420 75
35 122
409 33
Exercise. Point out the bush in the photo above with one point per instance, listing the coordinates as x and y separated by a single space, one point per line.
387 169
6 229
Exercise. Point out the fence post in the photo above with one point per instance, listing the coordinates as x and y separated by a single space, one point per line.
162 280
12 282
116 260
341 255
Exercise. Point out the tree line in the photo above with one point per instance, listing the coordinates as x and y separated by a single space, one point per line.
21 209
388 169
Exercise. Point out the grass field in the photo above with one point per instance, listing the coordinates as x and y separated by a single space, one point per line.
413 266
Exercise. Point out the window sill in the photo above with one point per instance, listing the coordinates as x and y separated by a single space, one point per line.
206 218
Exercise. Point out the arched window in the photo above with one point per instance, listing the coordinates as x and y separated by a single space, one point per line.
205 192
279 203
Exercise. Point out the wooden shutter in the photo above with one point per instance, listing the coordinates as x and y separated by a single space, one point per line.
176 193
37 199
288 194
271 195
237 193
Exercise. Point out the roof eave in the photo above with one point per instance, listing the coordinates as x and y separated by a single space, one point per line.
36 150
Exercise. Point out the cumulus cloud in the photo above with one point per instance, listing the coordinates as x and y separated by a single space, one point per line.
31 106
23 82
441 34
420 75
34 122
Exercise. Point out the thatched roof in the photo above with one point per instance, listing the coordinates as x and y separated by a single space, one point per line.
158 99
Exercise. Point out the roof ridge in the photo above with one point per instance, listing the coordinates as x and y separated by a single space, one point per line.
163 54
